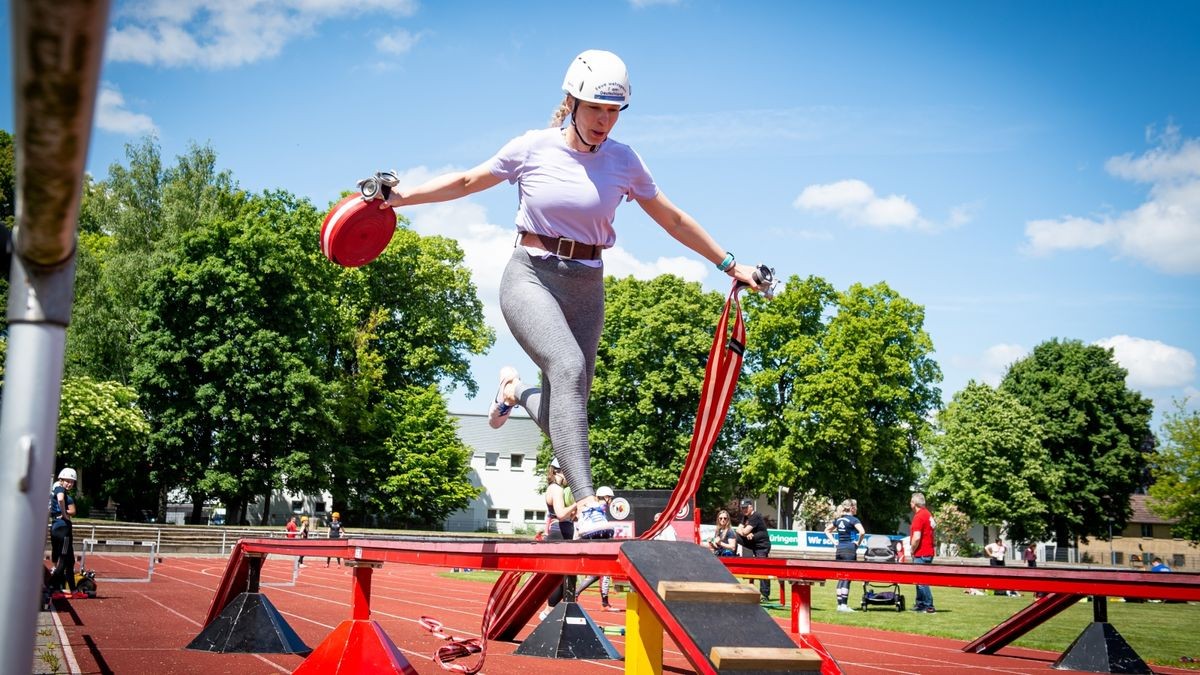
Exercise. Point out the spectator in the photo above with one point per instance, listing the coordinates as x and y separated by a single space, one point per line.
921 536
560 526
724 541
755 540
303 533
1159 565
847 533
291 528
995 552
335 531
605 494
1030 555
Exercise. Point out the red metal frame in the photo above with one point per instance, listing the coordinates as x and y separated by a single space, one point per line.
1063 586
1032 616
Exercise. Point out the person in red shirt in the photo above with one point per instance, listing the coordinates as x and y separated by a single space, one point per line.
291 528
920 534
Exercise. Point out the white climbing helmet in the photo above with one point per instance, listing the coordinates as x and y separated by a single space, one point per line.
67 474
599 77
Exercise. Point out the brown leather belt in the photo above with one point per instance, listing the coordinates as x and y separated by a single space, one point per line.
561 246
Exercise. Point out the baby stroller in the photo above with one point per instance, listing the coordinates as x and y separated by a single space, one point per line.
881 549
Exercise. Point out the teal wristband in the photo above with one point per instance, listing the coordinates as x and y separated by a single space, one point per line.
726 263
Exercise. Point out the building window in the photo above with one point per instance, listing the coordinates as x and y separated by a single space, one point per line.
1177 560
490 459
1147 530
319 508
1118 558
297 506
517 461
535 516
497 514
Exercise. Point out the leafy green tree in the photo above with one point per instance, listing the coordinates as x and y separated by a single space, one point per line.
130 224
102 433
1095 429
8 202
987 457
1175 493
649 370
226 359
426 476
8 179
408 319
841 389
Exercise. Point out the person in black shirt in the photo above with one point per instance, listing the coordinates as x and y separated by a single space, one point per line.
756 542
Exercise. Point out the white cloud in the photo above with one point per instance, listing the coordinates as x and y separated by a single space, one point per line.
856 202
486 246
1151 364
996 360
398 42
112 115
1163 232
225 33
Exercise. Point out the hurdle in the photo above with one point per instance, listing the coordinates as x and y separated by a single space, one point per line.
89 546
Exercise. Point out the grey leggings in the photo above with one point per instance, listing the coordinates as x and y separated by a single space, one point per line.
555 310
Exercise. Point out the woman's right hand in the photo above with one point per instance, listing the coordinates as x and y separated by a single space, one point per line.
748 275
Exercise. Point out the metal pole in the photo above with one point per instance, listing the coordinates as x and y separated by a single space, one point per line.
57 49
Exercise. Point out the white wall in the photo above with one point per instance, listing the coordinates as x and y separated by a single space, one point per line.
509 490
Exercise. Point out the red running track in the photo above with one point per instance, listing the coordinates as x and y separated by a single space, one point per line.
144 627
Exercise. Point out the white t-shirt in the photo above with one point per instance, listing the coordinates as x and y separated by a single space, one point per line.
566 193
996 551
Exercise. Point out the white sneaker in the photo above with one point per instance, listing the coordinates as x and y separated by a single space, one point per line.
845 608
593 525
505 399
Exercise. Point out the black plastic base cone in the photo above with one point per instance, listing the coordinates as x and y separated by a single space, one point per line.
249 624
1101 649
568 633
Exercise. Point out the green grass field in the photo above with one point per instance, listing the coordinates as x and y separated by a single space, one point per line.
1160 633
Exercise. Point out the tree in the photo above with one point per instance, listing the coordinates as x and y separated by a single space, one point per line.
226 357
987 457
1175 493
130 224
649 371
102 433
841 389
8 180
952 527
1095 429
426 478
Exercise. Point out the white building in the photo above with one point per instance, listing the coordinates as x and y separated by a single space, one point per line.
504 464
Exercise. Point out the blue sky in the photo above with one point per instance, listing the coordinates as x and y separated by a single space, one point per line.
1024 170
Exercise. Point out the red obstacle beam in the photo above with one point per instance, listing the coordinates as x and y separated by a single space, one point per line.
1174 586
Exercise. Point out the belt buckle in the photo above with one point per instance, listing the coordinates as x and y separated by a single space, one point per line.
559 252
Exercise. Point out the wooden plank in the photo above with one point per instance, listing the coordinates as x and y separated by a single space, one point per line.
783 659
697 627
707 591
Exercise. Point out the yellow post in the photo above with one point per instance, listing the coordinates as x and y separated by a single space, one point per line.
643 638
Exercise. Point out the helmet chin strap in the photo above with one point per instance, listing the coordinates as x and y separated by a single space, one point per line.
574 109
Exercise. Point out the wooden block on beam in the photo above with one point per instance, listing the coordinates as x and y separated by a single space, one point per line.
707 591
783 659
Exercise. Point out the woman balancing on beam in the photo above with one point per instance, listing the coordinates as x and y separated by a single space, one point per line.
571 178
